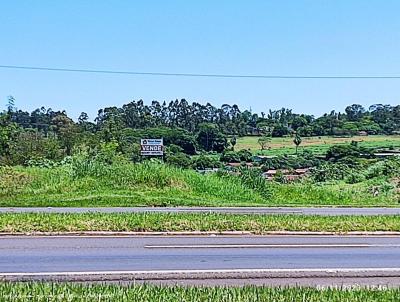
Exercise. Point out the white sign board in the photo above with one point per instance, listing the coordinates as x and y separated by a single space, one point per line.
152 146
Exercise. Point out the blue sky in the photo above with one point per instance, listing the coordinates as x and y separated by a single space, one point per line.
285 37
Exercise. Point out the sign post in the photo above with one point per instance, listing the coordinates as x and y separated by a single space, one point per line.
152 147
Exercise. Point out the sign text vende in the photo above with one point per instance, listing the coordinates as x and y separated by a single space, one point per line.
152 146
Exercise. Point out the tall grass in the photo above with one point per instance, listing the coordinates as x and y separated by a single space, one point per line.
93 183
145 181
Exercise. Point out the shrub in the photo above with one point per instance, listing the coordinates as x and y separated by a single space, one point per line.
245 155
12 181
329 171
252 179
337 152
206 162
354 177
41 163
230 157
179 160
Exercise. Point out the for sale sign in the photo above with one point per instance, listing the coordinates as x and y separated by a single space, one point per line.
152 146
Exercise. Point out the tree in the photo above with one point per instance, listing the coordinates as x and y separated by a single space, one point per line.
280 130
206 162
8 129
354 112
233 142
66 130
32 144
297 141
210 138
263 141
179 160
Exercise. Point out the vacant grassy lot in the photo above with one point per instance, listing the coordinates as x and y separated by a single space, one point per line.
118 185
317 145
154 184
163 222
41 292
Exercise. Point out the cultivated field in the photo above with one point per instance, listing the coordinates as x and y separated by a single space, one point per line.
317 145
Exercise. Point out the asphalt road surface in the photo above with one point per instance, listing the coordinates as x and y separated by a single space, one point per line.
208 260
325 211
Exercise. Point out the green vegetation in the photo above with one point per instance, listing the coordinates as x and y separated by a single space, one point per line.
47 159
85 181
194 128
163 222
41 292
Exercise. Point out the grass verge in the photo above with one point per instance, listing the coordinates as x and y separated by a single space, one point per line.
143 293
163 222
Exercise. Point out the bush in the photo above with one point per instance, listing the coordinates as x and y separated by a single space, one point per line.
337 152
354 177
230 157
179 160
252 179
206 162
12 181
329 171
245 155
42 163
305 160
388 167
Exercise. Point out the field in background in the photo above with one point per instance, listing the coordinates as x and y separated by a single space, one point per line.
317 145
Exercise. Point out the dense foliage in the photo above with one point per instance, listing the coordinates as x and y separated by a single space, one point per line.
193 127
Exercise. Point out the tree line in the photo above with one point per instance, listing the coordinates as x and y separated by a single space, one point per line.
186 127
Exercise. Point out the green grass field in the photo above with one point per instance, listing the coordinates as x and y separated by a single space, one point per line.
153 184
49 292
317 145
164 222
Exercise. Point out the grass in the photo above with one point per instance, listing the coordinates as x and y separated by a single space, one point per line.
153 184
119 185
162 222
41 292
317 145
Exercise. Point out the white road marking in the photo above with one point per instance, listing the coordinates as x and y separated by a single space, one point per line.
229 246
78 235
212 271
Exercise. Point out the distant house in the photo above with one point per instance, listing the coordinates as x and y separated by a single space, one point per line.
234 165
237 165
386 154
207 171
287 174
269 173
302 171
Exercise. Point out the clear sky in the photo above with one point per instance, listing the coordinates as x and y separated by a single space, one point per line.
284 37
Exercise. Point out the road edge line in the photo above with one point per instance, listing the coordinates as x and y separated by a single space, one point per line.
199 233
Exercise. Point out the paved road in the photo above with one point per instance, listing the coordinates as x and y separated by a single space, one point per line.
229 210
190 258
